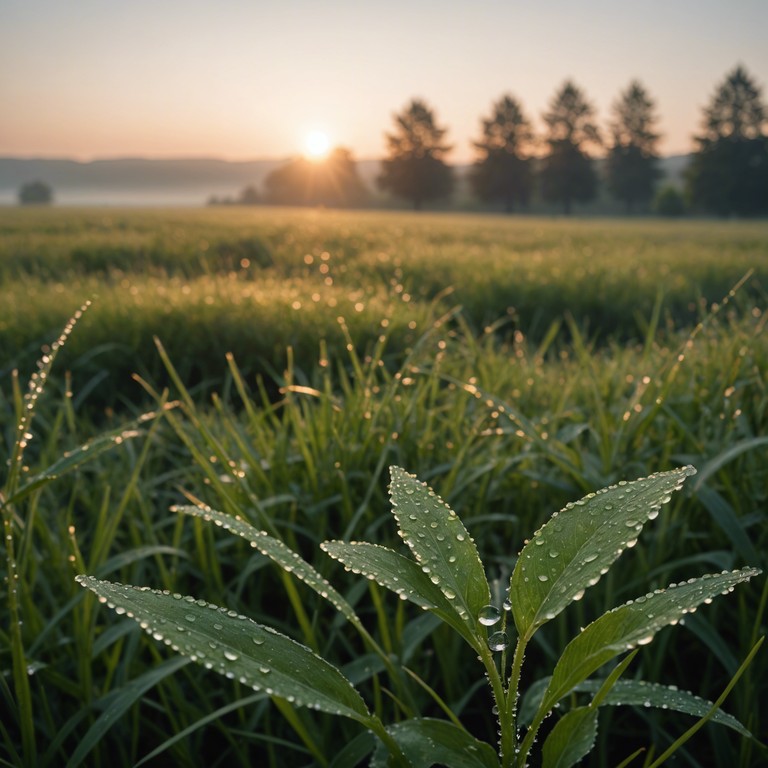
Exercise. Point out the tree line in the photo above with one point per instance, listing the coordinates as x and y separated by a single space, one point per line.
728 173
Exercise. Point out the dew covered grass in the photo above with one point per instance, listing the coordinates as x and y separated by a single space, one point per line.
514 365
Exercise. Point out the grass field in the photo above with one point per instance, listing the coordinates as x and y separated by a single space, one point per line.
514 364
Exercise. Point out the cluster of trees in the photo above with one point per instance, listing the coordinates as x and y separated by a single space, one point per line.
35 193
728 174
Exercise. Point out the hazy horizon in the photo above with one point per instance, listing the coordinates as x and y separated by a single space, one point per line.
87 80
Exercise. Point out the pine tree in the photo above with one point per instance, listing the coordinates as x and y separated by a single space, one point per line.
568 173
503 170
415 168
729 171
632 163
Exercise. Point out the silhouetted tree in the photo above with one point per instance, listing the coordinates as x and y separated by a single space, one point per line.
503 171
35 193
333 182
632 163
729 171
669 202
415 168
249 196
567 173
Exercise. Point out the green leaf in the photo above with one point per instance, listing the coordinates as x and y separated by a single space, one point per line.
440 544
638 693
236 647
631 625
426 742
278 552
576 546
399 574
634 693
571 739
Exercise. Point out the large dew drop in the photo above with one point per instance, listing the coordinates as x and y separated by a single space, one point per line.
498 641
489 615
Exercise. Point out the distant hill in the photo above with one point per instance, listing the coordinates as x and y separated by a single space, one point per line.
141 181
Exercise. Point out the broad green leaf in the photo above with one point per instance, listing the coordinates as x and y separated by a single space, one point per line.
631 625
441 545
634 693
576 546
426 742
571 739
638 693
278 552
119 701
235 646
400 574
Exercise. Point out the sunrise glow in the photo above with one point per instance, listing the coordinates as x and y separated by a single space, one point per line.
317 145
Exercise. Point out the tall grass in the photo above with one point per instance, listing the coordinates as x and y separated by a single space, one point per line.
255 281
507 421
507 433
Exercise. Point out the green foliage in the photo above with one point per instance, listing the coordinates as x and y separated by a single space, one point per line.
503 171
204 281
669 202
583 534
507 426
728 174
632 159
35 193
567 173
415 168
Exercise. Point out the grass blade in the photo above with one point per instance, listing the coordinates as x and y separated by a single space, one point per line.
715 707
74 459
441 545
576 547
120 701
236 647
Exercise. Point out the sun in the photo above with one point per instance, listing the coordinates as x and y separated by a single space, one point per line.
317 145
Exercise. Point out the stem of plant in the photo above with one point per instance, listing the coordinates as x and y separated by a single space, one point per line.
512 695
20 675
506 734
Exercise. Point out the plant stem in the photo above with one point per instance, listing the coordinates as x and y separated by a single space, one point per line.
506 737
510 726
20 675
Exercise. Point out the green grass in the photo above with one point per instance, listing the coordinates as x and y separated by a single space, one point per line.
253 282
507 424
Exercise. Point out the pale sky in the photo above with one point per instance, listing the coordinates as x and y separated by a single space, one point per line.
249 79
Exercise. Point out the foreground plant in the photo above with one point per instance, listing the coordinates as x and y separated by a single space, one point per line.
564 557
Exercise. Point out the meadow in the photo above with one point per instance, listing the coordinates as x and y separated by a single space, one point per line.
513 364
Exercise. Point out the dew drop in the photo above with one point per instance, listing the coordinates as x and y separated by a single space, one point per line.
498 641
489 615
231 655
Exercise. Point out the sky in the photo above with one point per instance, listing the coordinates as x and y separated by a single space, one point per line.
250 79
